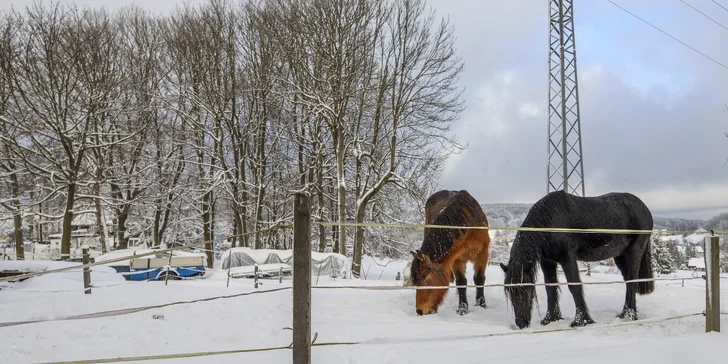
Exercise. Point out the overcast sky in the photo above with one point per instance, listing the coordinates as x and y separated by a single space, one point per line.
652 110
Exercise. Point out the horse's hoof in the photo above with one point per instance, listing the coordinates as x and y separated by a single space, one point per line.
480 302
628 314
462 309
550 318
582 322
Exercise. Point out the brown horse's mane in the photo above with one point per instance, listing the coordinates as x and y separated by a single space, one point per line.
438 242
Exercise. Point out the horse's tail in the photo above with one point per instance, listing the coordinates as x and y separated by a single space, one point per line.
646 271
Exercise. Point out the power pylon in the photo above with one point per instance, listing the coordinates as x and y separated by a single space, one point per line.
565 163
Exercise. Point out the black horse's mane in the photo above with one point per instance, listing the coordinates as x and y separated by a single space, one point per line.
526 253
438 241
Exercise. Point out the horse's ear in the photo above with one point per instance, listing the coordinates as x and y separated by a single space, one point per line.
414 254
425 259
504 267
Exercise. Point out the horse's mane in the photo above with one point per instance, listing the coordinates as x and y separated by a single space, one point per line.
459 212
526 251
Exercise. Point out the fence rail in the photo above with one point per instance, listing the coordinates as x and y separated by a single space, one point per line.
376 341
515 228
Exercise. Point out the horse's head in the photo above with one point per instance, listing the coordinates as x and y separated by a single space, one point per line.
521 297
425 272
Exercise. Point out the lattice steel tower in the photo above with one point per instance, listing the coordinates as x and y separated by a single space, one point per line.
566 166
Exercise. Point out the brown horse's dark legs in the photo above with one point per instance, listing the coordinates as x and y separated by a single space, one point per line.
571 270
553 312
480 264
479 280
461 280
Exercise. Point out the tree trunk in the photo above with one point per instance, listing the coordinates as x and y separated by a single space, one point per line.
157 236
259 180
237 220
243 208
19 247
17 218
121 238
206 231
67 220
334 231
99 223
341 186
358 240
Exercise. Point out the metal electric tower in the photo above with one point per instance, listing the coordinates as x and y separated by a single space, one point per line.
566 166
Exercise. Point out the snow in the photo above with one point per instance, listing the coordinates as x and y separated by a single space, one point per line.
698 263
71 280
696 238
383 321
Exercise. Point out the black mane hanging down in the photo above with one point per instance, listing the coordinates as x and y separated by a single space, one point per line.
438 242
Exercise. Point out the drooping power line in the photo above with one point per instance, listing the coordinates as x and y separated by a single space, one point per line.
717 3
703 14
667 34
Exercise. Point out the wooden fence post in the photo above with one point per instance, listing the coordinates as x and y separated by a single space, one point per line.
230 263
86 272
169 264
301 280
255 277
712 284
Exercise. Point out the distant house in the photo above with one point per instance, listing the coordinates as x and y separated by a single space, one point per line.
697 237
677 239
699 252
697 264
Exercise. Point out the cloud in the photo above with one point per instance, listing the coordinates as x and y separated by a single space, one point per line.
651 109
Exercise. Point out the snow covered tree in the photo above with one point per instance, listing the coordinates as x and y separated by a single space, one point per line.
690 252
661 257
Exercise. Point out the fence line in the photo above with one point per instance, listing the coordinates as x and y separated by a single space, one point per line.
513 228
155 252
375 341
394 288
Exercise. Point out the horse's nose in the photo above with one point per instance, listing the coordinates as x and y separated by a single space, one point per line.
419 312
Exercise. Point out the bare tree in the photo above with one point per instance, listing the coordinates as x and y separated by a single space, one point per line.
416 101
100 78
55 128
10 166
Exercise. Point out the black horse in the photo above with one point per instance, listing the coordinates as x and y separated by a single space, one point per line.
631 252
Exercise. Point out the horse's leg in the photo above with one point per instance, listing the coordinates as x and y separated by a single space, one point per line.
479 265
629 264
553 312
461 280
621 262
571 270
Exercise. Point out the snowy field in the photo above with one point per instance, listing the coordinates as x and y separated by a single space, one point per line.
383 322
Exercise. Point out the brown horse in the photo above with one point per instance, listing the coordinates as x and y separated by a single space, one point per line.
444 252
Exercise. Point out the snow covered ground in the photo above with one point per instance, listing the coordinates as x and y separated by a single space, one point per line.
383 322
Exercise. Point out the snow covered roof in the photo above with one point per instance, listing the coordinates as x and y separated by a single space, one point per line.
696 263
699 249
695 238
115 254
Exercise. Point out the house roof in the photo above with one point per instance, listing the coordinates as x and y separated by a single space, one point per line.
696 263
